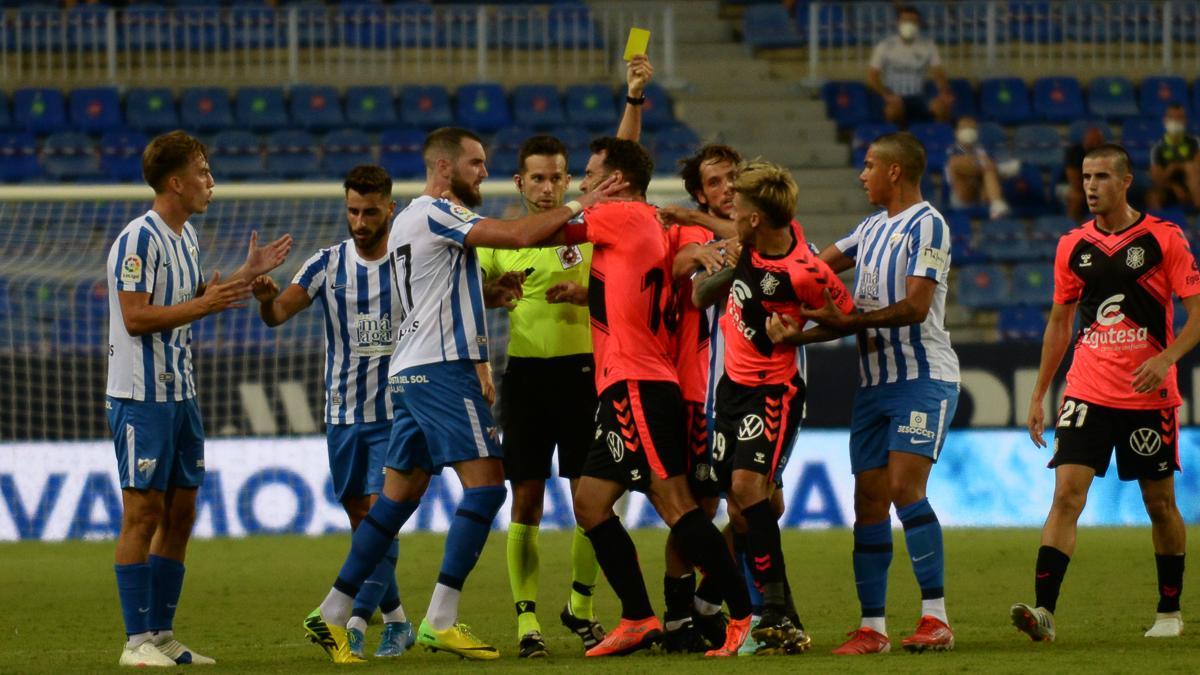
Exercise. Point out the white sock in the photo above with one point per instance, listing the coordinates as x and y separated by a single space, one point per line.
336 607
935 608
162 636
357 623
875 623
443 607
135 640
704 607
395 616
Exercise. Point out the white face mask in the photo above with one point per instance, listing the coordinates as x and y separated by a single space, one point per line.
1174 127
908 30
966 135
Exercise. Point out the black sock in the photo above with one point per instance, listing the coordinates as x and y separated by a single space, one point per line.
766 554
678 592
1170 581
703 544
1051 568
709 589
618 559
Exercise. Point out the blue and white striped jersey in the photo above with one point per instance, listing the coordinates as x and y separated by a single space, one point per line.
886 251
360 308
148 257
439 283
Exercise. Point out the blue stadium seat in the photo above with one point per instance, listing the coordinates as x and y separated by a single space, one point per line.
502 151
671 145
39 29
144 27
95 110
938 138
87 27
261 108
1139 136
1033 284
983 287
291 154
1078 128
864 135
343 150
1038 145
846 104
1020 323
39 110
537 106
994 139
1171 215
400 152
1004 100
1057 99
256 26
427 107
482 107
6 121
18 157
572 26
236 155
316 108
85 326
200 28
370 107
656 111
205 109
1005 240
577 141
770 26
1026 193
363 25
151 110
591 106
121 155
1112 98
1158 92
1034 21
964 104
70 156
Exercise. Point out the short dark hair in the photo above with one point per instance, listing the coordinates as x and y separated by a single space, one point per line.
1176 105
447 140
689 167
628 157
1115 151
368 179
901 10
902 148
540 145
167 154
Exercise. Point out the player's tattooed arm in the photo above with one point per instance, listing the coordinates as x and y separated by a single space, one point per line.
708 257
709 288
1059 329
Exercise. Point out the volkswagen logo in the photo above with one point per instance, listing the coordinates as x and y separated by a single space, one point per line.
1145 442
616 446
750 427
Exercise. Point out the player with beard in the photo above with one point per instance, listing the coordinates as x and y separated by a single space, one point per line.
441 415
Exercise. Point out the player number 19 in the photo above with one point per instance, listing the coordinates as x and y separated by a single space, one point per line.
1079 410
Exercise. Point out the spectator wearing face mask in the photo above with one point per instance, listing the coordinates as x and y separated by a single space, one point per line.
1174 167
897 71
972 174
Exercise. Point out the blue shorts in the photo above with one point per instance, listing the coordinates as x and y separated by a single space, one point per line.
356 453
441 418
158 445
910 416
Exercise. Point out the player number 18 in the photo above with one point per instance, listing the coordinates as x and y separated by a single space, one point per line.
1079 410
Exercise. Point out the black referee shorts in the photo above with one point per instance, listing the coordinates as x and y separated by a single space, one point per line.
547 403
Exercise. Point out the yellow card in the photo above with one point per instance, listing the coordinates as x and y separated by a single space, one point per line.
639 40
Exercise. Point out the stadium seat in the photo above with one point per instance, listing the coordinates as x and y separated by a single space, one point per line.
427 107
151 110
344 149
291 154
316 108
938 138
537 106
6 121
39 28
1112 98
1005 240
1020 323
965 104
1078 128
1171 215
39 110
770 26
400 152
656 111
95 110
1138 136
591 106
1052 226
85 326
983 287
363 24
846 104
482 107
256 26
1033 284
1057 99
1038 145
200 28
18 157
121 155
261 108
577 141
572 26
87 27
1158 92
236 155
502 151
671 145
1034 21
1026 193
144 27
205 109
370 107
70 156
864 135
1004 100
994 139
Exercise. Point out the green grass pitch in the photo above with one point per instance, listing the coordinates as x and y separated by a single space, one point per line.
244 599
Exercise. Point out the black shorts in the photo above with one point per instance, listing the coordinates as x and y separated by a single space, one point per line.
755 427
1147 441
639 432
547 403
701 478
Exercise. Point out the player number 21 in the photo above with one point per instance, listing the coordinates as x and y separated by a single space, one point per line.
1079 410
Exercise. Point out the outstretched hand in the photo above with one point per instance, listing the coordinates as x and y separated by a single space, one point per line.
504 291
264 288
606 191
263 259
828 315
220 296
